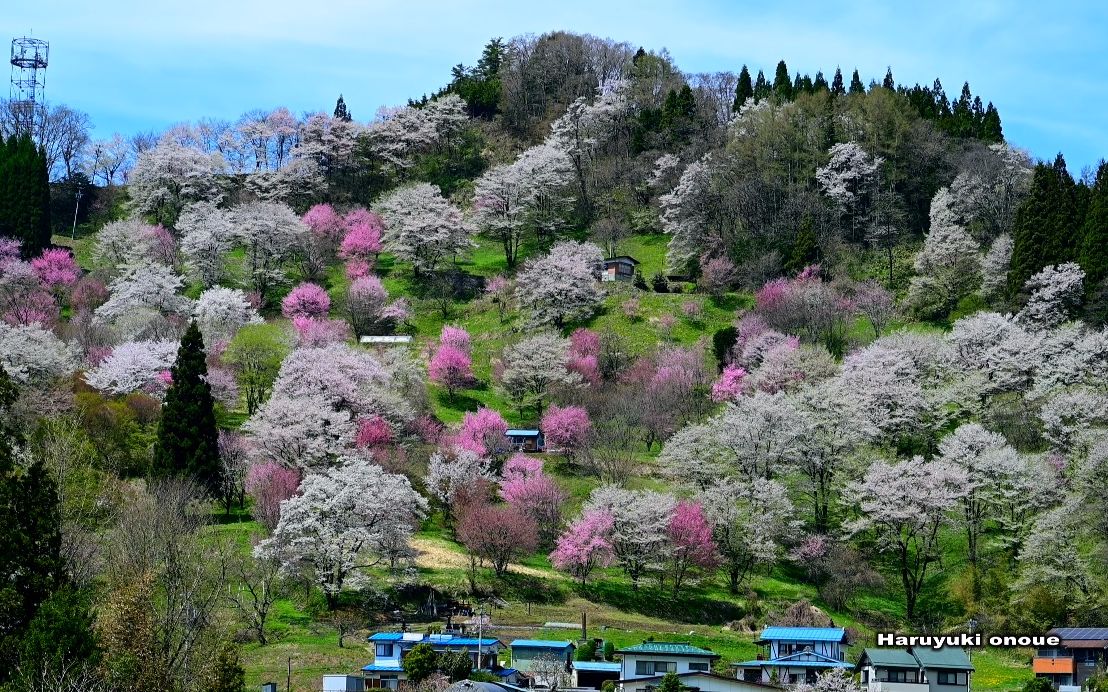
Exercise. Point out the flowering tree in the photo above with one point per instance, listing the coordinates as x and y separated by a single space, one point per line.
585 545
207 236
365 301
750 523
562 285
1056 292
133 366
169 176
567 427
948 267
421 227
348 379
690 542
23 297
270 232
533 366
729 386
333 529
399 135
522 197
32 355
303 433
535 494
834 680
323 221
904 505
848 178
482 432
373 432
717 276
456 337
584 355
640 521
269 484
140 293
306 300
56 269
876 303
994 267
450 472
497 533
220 312
450 367
130 241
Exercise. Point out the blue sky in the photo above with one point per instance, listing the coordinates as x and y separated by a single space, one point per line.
145 64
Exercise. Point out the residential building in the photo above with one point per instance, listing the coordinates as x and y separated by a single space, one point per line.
525 651
915 669
475 686
525 439
390 648
696 681
1081 651
386 339
343 683
620 268
795 654
593 674
652 659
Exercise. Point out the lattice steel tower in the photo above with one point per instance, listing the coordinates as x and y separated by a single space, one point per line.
30 56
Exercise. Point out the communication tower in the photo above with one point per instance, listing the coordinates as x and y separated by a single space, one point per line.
30 56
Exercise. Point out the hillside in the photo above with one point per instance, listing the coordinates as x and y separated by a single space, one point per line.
856 363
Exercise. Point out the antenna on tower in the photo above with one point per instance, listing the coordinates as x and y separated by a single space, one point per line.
30 56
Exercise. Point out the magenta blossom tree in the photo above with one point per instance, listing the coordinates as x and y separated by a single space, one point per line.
729 386
452 368
534 494
306 300
456 337
373 432
325 222
585 545
691 546
482 432
567 427
363 236
270 484
314 332
56 269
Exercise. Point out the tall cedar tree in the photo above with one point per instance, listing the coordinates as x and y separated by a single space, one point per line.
341 111
31 566
743 90
856 86
761 87
782 84
24 194
1094 245
61 631
187 435
1047 224
837 83
889 83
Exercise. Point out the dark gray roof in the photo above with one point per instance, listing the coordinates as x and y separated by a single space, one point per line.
1080 632
475 686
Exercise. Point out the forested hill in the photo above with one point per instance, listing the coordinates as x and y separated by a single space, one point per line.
693 354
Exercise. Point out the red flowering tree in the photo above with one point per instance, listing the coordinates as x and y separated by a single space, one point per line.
482 432
373 432
585 545
56 269
532 492
498 534
325 222
270 484
306 300
691 546
452 368
567 427
729 386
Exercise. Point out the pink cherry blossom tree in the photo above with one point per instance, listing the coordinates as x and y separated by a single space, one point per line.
585 545
452 368
373 432
729 386
456 337
269 484
56 269
306 300
535 494
567 427
497 533
325 222
482 432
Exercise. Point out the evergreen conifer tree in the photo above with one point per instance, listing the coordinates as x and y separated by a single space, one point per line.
991 131
889 83
782 83
1045 229
761 87
837 83
1094 242
856 86
820 82
743 90
341 112
187 435
24 194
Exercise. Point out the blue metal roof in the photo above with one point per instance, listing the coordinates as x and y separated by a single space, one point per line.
522 431
374 668
540 644
804 634
785 663
501 672
597 666
462 641
386 637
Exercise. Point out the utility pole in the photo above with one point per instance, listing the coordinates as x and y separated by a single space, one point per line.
73 232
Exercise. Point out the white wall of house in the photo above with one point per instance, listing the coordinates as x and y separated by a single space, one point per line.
660 664
705 683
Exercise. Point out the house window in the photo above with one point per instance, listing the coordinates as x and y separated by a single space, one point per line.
654 667
952 677
752 674
894 675
698 665
384 650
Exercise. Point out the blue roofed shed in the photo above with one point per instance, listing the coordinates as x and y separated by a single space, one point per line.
524 651
525 439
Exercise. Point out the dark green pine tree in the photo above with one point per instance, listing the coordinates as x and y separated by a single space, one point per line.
341 111
187 435
1093 256
889 83
856 86
782 83
1045 229
743 90
60 632
837 83
24 194
991 131
820 82
761 87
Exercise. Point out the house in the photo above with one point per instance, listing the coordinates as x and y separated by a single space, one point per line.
1081 651
592 674
654 659
795 654
525 439
475 686
620 268
343 683
386 340
525 651
916 669
696 681
390 648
